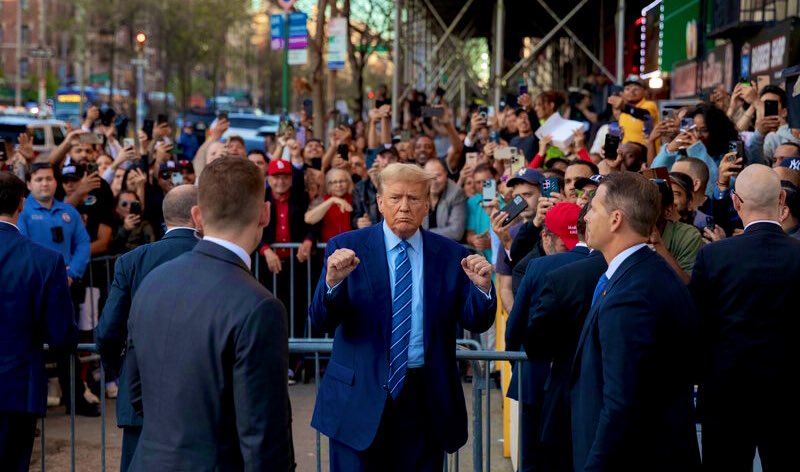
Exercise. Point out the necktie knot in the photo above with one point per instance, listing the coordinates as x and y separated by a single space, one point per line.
403 245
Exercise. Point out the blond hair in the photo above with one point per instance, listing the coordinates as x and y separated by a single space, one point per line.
406 173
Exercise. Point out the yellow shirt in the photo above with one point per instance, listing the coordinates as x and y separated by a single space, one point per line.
633 127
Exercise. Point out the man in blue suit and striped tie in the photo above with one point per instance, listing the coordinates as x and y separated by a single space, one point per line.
391 398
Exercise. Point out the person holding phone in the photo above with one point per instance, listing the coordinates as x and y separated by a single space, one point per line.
131 230
708 140
638 115
771 127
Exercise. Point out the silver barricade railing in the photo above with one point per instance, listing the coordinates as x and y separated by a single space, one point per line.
481 429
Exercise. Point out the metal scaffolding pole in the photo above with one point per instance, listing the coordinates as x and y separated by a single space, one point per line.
398 9
499 38
620 40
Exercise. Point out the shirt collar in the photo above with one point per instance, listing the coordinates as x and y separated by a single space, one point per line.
580 244
392 240
617 261
10 224
180 227
760 221
234 248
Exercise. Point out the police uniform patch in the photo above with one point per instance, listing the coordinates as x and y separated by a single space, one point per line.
65 216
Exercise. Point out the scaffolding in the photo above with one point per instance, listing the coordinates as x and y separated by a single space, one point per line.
544 43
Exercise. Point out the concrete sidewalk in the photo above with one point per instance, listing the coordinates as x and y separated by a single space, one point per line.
87 434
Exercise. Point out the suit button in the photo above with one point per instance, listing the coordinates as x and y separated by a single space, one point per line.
386 387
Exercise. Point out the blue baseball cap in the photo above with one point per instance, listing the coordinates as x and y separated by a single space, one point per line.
528 176
791 163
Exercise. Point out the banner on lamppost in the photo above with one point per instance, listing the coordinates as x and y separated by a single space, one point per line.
337 45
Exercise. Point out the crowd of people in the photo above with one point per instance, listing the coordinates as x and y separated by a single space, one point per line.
643 256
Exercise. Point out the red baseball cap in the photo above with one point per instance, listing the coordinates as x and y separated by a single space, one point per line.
279 166
562 220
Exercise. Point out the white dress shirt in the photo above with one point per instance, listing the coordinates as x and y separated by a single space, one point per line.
234 248
617 261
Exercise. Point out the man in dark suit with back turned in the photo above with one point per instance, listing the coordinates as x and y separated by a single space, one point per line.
745 293
554 326
561 240
633 371
208 345
391 398
35 308
129 272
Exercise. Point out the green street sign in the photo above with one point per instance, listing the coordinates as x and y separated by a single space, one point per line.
101 77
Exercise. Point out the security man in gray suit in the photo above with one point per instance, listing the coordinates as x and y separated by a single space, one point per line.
208 345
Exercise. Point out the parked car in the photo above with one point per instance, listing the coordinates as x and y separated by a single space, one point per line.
46 134
250 126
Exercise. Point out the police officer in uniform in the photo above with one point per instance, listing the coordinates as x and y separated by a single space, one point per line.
58 226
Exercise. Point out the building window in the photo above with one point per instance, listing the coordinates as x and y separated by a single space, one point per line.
25 34
23 68
24 4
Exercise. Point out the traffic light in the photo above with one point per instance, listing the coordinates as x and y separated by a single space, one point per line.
141 39
371 95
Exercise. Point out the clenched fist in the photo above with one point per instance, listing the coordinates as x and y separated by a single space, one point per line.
340 264
478 270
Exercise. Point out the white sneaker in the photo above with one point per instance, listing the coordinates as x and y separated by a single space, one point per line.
89 396
53 392
112 389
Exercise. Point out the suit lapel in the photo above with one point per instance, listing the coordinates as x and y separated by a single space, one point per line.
377 265
591 318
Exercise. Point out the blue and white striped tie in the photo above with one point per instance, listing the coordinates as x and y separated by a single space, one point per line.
401 321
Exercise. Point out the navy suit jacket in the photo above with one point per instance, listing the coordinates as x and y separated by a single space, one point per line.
35 308
207 364
112 330
353 392
632 404
534 374
554 326
745 293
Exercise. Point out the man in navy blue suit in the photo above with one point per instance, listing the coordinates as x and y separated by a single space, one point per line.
561 240
129 271
391 398
745 292
633 373
35 308
554 326
208 345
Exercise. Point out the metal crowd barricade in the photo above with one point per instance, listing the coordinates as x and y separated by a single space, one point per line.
481 429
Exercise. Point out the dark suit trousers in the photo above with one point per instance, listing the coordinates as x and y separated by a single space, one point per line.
130 439
405 440
17 432
529 436
732 430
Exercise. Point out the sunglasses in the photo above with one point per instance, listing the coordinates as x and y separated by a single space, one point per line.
588 193
733 192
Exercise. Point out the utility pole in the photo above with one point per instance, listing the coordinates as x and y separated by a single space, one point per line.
140 62
80 45
18 56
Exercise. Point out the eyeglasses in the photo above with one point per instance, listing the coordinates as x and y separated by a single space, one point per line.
126 203
733 192
337 182
588 193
